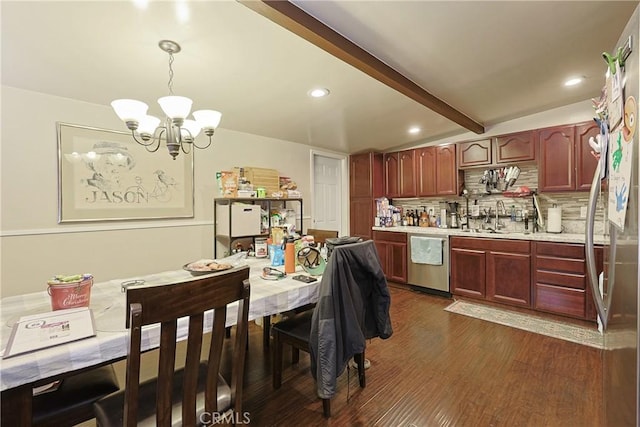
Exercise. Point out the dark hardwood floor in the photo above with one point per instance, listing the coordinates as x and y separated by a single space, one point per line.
439 369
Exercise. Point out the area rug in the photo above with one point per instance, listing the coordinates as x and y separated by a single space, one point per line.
551 328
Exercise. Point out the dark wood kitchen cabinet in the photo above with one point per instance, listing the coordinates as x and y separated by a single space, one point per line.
565 161
392 249
468 269
365 185
492 269
515 147
500 150
391 175
560 279
509 272
586 162
399 174
436 171
475 153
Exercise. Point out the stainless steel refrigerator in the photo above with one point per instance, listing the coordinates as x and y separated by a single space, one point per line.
615 290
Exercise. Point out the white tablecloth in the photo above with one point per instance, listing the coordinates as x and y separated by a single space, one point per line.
108 305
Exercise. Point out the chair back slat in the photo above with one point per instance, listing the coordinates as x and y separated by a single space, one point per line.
165 305
240 350
215 356
191 369
133 366
166 367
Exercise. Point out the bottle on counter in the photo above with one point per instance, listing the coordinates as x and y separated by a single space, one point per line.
424 217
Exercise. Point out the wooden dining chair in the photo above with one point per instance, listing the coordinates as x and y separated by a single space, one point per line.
320 236
199 393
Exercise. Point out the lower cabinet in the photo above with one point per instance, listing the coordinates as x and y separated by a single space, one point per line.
560 279
392 249
492 269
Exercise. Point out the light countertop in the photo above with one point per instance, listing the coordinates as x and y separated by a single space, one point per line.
541 237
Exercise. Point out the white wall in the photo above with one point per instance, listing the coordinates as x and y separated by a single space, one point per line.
35 247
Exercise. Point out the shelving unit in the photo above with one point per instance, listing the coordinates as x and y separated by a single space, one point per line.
229 226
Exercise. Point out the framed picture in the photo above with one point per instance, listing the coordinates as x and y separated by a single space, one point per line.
104 175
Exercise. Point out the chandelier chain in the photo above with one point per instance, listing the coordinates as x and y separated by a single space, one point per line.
170 84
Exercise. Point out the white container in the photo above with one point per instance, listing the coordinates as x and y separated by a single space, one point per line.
245 220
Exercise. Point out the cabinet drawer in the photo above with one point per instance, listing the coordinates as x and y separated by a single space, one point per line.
390 236
575 281
563 250
496 245
560 300
560 264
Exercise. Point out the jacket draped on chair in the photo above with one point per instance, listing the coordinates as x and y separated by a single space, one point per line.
353 306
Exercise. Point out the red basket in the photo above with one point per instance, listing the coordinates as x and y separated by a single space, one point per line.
70 295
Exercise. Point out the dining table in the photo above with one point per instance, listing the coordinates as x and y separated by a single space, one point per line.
19 374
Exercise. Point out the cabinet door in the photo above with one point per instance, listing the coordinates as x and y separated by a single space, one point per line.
474 153
426 171
585 161
360 175
381 247
397 262
468 272
515 147
391 173
556 167
446 171
509 278
407 166
361 217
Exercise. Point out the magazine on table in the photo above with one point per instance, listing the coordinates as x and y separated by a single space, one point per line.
44 330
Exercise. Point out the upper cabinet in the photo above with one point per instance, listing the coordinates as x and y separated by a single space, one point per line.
391 178
365 184
565 162
365 175
399 174
515 147
436 171
475 153
500 150
586 162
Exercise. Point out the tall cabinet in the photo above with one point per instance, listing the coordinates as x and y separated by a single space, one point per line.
365 185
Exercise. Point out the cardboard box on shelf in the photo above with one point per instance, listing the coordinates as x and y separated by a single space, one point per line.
262 177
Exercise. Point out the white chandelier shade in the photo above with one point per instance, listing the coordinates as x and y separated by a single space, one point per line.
176 131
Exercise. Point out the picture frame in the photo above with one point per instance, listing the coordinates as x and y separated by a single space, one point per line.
105 175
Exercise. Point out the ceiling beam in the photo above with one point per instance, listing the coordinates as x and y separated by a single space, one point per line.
306 26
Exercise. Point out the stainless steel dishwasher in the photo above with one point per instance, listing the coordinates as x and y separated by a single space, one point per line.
424 270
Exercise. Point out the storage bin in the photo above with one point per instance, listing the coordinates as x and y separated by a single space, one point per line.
245 220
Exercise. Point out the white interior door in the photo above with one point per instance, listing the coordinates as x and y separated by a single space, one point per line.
327 193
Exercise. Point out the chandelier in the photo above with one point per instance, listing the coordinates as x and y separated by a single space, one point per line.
177 131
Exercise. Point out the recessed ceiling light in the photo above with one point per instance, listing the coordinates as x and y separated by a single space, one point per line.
318 93
414 130
573 81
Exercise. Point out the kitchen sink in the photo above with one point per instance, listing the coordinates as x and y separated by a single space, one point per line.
487 230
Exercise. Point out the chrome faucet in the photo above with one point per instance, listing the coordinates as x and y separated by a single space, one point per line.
499 208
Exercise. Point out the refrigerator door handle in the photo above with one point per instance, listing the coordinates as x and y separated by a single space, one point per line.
602 305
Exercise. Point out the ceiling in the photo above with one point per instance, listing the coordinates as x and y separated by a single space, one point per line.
486 61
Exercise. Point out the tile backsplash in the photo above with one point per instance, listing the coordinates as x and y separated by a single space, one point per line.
570 202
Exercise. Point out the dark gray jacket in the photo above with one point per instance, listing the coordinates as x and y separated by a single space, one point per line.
353 306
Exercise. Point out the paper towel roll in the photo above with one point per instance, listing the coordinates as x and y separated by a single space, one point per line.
554 220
